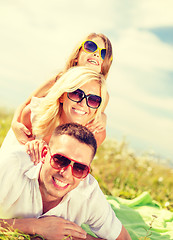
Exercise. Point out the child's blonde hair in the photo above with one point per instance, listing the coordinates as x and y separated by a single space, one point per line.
49 112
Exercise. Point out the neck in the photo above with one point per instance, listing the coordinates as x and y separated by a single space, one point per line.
48 200
47 205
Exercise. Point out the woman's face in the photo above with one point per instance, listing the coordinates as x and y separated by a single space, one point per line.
92 60
79 112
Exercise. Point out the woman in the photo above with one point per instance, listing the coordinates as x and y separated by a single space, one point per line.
94 52
78 96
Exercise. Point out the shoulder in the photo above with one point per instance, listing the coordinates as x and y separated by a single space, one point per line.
16 156
88 185
35 101
97 211
89 190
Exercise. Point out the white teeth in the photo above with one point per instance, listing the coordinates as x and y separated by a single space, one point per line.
79 111
93 61
59 183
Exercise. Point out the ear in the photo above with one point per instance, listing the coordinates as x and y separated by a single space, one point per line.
61 99
75 62
44 153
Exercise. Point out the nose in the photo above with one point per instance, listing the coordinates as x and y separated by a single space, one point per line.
96 53
82 102
66 172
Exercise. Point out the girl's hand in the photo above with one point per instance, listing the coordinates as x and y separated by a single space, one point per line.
99 125
34 149
21 132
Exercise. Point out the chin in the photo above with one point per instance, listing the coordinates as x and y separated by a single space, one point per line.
95 68
80 122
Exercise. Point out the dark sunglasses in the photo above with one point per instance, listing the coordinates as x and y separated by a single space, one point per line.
59 162
92 101
91 47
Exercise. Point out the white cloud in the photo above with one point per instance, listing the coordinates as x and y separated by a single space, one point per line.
128 85
154 13
133 121
143 50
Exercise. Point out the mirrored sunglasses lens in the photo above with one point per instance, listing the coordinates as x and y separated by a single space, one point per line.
76 95
90 46
80 170
59 161
103 53
94 101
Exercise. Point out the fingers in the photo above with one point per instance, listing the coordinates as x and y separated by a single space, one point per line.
24 139
95 128
26 130
74 230
21 132
59 228
33 148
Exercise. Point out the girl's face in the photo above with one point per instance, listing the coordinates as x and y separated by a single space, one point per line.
79 112
92 60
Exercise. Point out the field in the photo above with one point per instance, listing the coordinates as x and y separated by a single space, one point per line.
120 172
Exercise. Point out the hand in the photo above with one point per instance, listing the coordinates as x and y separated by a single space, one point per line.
34 149
99 125
22 133
56 228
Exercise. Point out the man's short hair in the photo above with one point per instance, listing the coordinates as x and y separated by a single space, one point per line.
77 131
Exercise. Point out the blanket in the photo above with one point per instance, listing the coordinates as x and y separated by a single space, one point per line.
142 216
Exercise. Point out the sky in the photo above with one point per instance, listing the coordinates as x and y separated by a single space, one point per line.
38 36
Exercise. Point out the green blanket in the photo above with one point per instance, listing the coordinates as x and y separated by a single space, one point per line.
137 214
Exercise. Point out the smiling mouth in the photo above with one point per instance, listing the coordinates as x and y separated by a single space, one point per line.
81 112
59 184
92 61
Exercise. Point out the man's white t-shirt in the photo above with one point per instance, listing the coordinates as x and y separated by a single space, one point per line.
20 197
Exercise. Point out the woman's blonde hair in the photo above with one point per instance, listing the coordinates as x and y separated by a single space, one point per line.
49 112
73 59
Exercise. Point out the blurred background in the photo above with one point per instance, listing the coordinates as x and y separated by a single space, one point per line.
38 36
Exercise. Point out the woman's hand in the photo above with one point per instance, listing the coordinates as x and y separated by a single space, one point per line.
34 149
21 132
99 125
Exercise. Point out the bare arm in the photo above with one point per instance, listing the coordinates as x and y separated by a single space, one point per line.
50 227
100 137
124 235
21 130
43 89
39 92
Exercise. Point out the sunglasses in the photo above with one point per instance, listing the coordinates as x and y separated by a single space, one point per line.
59 162
91 47
92 101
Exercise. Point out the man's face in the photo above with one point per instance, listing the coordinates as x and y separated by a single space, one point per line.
55 184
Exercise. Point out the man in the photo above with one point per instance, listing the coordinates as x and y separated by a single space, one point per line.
55 197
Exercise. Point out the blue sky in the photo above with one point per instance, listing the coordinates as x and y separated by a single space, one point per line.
38 36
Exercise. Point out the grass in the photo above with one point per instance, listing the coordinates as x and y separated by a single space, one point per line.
122 173
5 122
8 233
